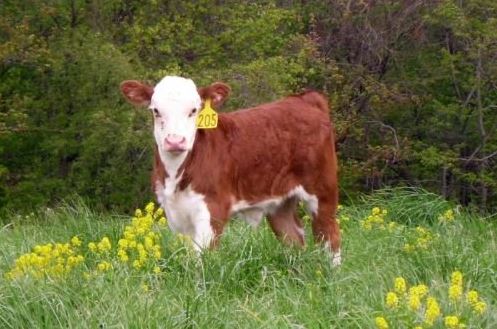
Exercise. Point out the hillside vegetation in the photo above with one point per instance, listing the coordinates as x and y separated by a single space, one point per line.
411 83
410 259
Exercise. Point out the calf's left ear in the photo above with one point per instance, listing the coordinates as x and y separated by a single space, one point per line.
218 92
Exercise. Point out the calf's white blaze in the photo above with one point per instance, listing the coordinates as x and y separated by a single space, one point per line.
174 99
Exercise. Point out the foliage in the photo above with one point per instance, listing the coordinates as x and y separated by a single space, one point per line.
411 84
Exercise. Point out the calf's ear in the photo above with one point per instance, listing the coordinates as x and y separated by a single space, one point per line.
218 92
137 93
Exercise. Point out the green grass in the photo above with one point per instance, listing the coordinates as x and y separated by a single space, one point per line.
253 281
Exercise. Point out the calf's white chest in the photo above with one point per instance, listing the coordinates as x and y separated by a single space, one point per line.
188 214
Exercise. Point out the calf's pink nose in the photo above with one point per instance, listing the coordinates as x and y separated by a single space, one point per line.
175 142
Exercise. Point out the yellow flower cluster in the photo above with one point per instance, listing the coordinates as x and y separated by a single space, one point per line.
452 322
104 246
413 299
381 322
392 300
104 266
415 296
432 312
455 289
48 260
139 245
421 240
478 305
447 217
375 220
417 301
400 285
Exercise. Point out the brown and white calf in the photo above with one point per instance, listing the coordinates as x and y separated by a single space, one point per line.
258 161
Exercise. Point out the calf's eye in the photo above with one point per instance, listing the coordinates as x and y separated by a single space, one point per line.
192 112
156 112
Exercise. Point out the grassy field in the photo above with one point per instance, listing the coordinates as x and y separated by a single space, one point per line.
253 281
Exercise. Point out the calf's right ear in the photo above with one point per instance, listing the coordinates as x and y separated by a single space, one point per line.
137 93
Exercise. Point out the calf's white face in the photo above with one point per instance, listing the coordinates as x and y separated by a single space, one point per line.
175 104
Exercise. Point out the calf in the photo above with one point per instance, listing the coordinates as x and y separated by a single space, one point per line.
258 161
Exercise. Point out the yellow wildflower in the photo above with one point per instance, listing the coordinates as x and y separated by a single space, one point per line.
421 230
455 293
455 289
432 311
104 245
392 301
143 256
414 302
149 208
123 243
123 256
480 307
451 321
137 264
92 246
381 322
157 254
400 285
375 220
129 236
159 212
366 225
74 260
456 278
156 269
76 241
104 266
472 296
477 305
421 290
149 243
447 216
162 221
416 293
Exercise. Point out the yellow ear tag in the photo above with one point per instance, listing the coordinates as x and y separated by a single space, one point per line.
207 118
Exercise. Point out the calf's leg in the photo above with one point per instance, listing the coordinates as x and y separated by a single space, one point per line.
285 223
325 226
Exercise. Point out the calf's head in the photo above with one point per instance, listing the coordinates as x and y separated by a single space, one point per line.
175 103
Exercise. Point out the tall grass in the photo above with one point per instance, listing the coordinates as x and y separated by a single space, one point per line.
252 281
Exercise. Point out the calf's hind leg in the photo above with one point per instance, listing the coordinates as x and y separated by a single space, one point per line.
326 229
285 223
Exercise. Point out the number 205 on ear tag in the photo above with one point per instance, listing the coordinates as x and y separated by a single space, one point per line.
207 118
